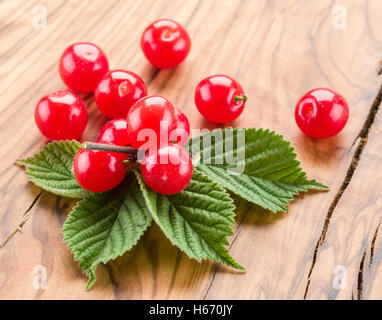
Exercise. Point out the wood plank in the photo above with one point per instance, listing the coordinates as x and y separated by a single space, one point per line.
278 266
277 50
348 259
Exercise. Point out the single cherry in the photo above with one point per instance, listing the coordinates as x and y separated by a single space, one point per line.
117 91
321 113
167 170
115 132
61 115
150 122
98 171
165 43
220 98
82 65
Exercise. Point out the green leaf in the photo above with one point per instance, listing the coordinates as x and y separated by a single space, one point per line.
196 220
257 165
51 169
104 226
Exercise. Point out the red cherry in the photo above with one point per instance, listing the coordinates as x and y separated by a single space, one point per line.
167 170
98 171
117 91
115 132
321 113
220 98
61 115
82 65
151 120
165 43
182 131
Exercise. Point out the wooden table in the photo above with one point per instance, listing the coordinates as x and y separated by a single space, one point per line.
277 50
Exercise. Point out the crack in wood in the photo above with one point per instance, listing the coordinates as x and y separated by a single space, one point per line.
26 216
360 280
373 244
363 135
113 281
216 267
360 276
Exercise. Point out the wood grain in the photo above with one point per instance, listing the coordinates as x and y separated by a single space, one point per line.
277 50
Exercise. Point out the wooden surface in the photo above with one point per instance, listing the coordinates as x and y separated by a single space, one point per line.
277 50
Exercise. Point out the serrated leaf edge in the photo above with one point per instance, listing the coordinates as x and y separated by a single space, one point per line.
233 263
305 187
90 271
27 163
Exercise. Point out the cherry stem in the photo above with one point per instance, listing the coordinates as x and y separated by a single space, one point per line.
108 147
240 98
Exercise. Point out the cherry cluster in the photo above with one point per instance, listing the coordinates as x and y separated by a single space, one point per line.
166 167
152 123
